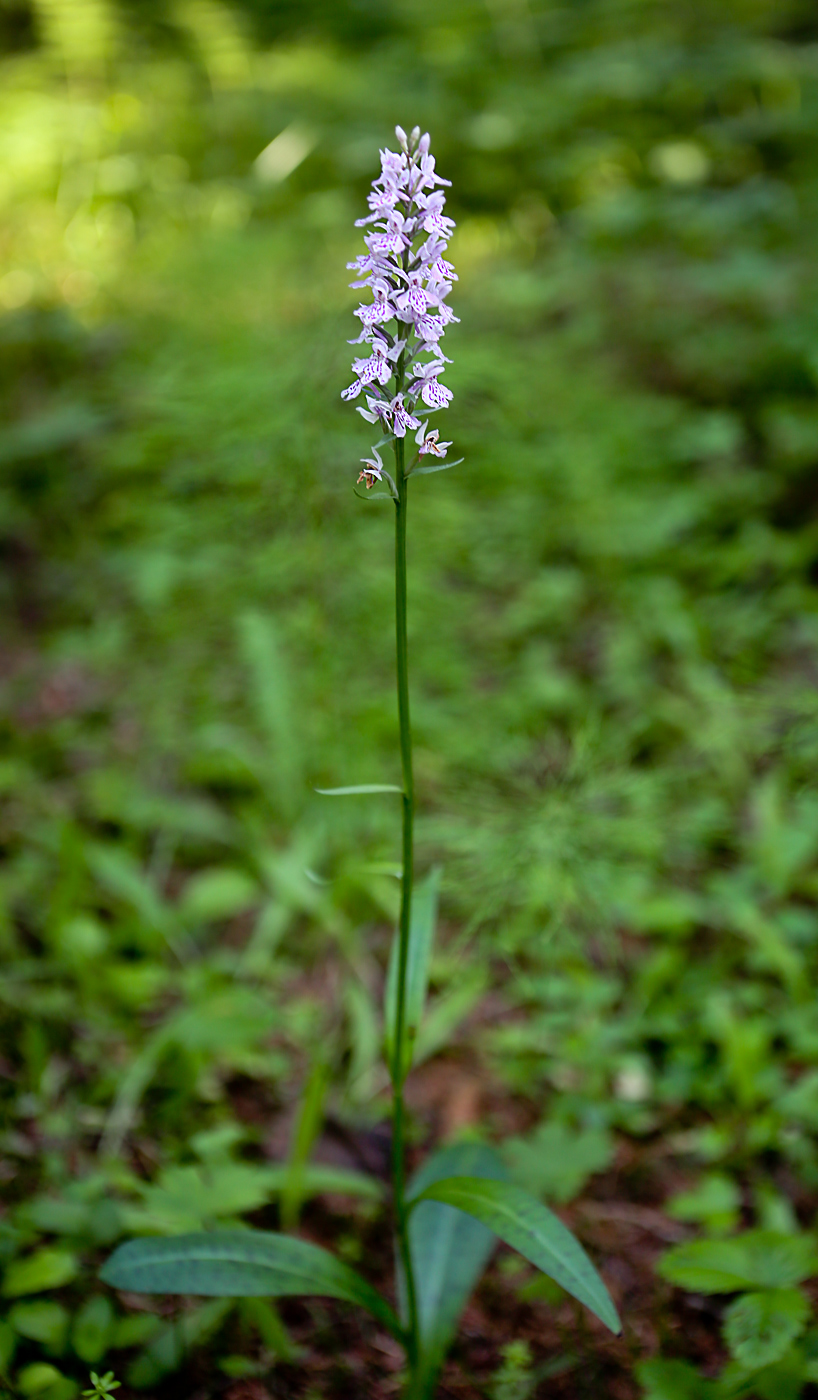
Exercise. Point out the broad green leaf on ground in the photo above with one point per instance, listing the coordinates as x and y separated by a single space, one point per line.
134 1330
240 1264
220 892
421 941
42 1321
532 1229
760 1327
55 1216
714 1202
189 1198
8 1344
450 1250
40 1378
756 1259
93 1328
557 1160
673 1380
785 1380
48 1268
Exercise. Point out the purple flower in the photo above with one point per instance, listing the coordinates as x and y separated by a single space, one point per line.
436 395
409 277
401 418
430 443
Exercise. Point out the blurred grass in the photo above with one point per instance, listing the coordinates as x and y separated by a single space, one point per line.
612 601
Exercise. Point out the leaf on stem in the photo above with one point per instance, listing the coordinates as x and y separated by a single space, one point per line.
441 467
241 1264
532 1229
449 1250
419 953
361 790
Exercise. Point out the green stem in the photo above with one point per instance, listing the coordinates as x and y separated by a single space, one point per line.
398 1065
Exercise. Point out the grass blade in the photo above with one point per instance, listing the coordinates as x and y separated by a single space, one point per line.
421 940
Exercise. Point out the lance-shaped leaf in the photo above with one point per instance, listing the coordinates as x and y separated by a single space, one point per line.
361 790
440 467
532 1229
421 939
450 1250
241 1264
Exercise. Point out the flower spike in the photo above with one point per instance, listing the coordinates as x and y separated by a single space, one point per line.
409 277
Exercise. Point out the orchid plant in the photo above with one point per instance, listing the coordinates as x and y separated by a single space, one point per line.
448 1217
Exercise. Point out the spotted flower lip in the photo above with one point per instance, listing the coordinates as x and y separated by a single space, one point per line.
409 277
428 443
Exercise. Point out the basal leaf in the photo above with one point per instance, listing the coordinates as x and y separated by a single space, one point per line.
760 1327
241 1264
533 1230
421 940
450 1250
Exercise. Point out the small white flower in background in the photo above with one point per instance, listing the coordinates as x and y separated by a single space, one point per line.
405 270
632 1082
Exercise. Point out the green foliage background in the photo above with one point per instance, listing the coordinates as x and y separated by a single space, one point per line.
613 602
